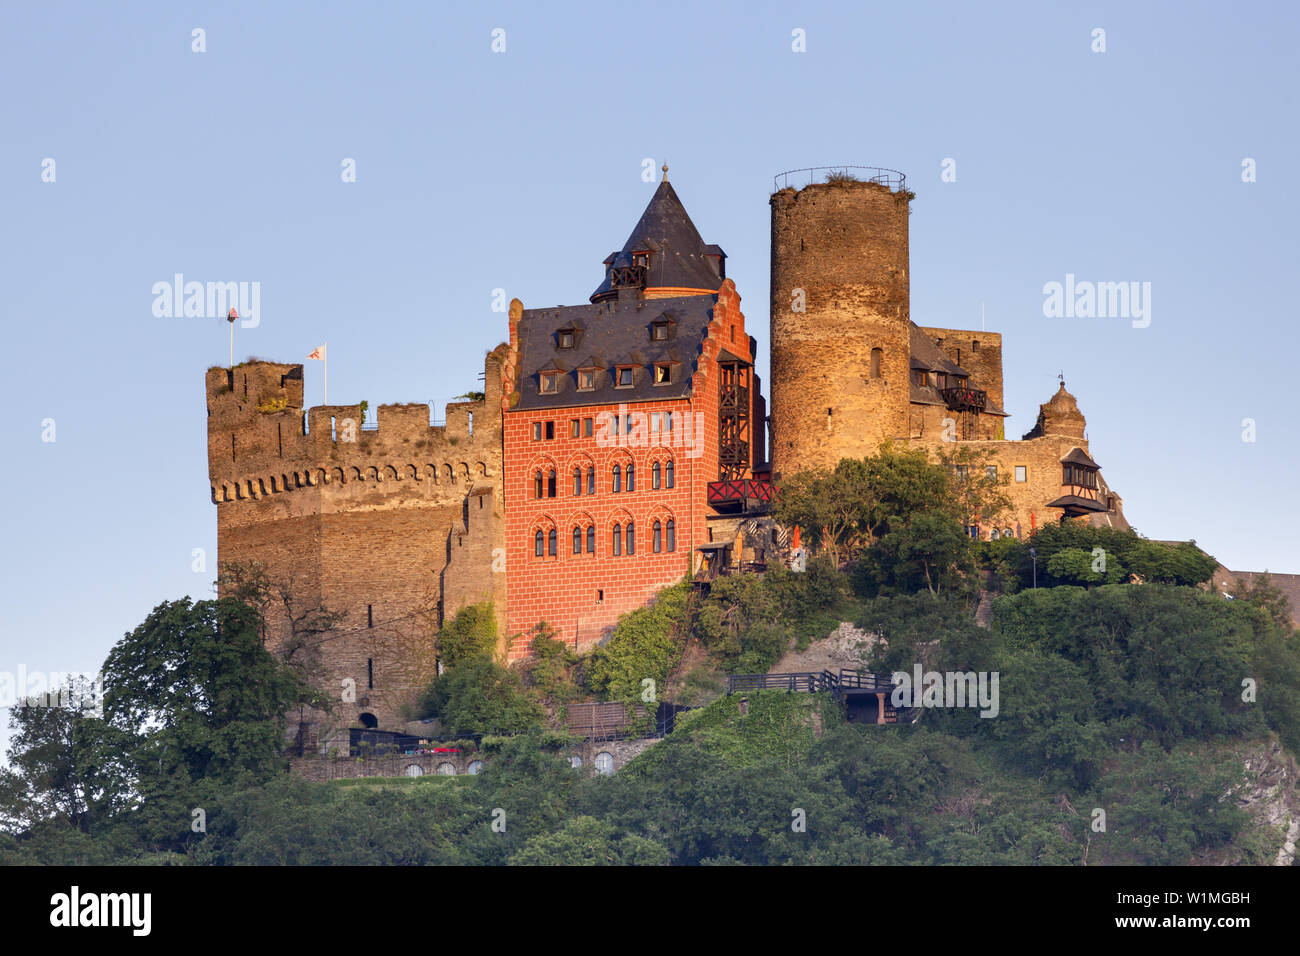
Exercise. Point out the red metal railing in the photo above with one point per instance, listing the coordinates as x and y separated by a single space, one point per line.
739 489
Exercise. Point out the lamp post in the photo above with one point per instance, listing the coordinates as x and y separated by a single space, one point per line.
1033 556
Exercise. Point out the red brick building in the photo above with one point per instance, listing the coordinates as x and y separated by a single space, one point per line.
617 416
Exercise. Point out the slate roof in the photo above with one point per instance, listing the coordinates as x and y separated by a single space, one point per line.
679 257
1075 501
1077 456
926 355
611 333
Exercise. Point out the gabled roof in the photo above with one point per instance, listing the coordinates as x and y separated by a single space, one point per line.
680 259
929 357
618 333
1077 456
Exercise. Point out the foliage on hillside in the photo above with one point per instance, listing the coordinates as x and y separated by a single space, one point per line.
1139 701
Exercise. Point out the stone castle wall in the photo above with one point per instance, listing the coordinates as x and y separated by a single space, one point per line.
393 527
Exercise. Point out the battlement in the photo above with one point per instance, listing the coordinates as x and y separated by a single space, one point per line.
262 442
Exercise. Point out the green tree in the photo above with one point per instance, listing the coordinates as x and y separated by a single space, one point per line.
646 645
978 490
471 632
199 704
927 550
64 768
1077 566
832 506
586 841
479 696
1262 593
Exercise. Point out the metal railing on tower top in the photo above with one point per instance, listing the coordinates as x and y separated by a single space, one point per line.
798 178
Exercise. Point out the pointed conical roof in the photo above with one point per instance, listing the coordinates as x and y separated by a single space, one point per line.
680 260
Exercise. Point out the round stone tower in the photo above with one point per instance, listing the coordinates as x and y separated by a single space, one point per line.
841 352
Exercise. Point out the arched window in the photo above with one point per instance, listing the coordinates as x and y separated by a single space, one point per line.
591 539
656 476
550 542
631 540
591 480
537 484
670 528
631 477
577 481
658 542
616 547
577 540
877 358
668 473
617 484
550 483
538 544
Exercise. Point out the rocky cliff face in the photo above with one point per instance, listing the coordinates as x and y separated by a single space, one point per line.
1272 799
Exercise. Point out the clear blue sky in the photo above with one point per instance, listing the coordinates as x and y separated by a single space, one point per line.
521 170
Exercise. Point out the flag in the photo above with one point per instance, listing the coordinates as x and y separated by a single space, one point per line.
318 353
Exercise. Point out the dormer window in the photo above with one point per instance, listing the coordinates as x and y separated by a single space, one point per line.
623 376
586 379
565 338
550 383
641 259
659 332
663 373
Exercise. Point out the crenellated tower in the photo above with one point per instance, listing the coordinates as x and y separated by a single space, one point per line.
393 525
840 317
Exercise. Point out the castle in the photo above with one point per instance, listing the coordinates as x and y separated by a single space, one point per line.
618 445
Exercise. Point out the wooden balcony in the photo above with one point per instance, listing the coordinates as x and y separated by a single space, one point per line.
962 399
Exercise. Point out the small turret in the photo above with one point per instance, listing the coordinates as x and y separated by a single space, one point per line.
1059 415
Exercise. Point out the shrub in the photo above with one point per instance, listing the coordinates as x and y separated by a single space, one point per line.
646 644
478 696
472 632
